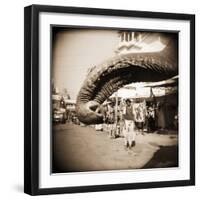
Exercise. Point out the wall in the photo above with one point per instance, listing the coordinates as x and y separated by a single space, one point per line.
11 101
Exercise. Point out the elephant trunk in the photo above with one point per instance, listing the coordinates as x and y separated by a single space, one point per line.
105 79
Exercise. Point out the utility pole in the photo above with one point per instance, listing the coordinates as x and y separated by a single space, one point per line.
116 106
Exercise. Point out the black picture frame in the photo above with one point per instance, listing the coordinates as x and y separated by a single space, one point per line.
31 98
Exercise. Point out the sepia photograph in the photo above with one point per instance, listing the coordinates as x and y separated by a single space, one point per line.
114 99
109 99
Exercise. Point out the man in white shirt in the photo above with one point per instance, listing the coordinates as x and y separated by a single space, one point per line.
129 125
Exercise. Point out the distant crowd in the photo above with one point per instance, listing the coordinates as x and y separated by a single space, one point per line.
129 118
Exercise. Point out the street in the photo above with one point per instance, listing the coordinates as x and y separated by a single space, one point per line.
80 149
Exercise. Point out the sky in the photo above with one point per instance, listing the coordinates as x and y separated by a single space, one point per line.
77 50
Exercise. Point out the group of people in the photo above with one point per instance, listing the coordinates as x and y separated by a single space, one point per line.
128 120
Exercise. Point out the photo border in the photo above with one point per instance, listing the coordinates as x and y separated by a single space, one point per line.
31 98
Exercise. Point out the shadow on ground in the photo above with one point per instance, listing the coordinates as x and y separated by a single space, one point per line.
166 156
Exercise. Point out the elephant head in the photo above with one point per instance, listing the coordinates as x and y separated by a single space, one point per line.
103 80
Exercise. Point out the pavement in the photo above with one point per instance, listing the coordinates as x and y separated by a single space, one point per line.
80 149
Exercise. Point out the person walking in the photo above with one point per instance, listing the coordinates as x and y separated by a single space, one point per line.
111 120
151 119
129 125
